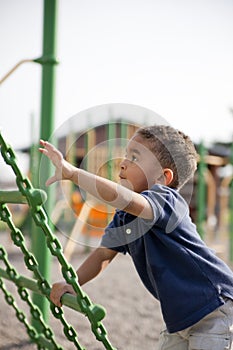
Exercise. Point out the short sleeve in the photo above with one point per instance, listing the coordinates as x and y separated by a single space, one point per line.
169 207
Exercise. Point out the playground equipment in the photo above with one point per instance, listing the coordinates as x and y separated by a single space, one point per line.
48 62
201 191
43 335
214 206
231 207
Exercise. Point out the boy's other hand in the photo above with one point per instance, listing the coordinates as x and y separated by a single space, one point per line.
57 291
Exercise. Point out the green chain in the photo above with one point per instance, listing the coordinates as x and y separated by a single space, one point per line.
32 265
95 313
46 342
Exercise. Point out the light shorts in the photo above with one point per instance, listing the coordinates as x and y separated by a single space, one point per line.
213 332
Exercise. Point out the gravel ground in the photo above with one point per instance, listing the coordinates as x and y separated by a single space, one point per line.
133 319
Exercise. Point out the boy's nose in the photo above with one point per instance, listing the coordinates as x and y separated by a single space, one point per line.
123 164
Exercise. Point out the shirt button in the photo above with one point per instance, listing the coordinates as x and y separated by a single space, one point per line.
128 231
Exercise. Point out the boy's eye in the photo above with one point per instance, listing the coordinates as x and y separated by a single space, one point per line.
133 158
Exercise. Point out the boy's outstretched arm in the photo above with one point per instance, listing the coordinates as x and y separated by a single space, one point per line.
103 189
97 261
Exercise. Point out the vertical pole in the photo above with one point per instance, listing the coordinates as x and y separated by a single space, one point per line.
201 191
45 170
111 144
231 209
90 165
123 137
123 133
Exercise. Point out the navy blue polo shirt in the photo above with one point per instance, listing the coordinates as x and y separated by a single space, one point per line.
174 264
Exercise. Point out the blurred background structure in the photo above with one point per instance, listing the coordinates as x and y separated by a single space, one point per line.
172 57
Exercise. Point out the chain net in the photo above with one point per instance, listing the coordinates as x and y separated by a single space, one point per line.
95 313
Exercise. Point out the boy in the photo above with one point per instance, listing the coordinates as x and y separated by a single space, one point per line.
152 224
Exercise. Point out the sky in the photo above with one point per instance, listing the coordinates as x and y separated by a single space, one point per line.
172 57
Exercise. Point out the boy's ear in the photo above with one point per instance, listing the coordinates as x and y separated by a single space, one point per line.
168 176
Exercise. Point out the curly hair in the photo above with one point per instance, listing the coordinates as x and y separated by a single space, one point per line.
173 149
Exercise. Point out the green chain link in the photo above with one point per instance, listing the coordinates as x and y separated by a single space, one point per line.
44 342
95 313
32 265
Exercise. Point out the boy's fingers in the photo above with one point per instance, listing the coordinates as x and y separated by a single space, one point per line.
56 302
45 143
56 299
47 146
42 142
55 296
43 150
57 291
51 180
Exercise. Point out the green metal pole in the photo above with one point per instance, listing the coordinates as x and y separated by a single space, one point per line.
111 144
16 197
123 133
201 191
67 299
48 62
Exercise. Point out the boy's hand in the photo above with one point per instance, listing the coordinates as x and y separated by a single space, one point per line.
57 291
64 170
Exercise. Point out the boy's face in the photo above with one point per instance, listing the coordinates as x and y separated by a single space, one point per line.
140 169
